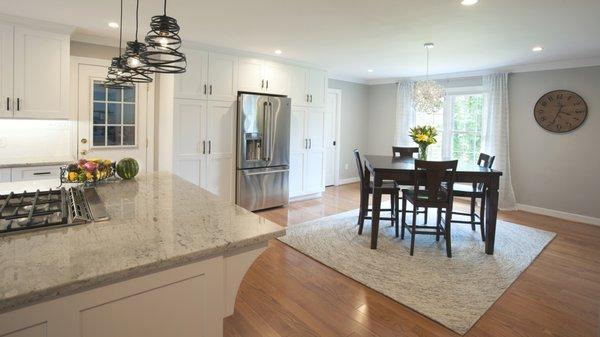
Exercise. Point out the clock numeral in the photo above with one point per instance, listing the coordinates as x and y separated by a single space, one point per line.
550 98
544 103
542 118
559 96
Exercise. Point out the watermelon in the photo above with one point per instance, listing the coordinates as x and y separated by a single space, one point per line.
127 168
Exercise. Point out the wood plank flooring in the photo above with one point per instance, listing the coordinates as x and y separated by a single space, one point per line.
286 293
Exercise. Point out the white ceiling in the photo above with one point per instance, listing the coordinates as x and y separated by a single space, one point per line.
347 37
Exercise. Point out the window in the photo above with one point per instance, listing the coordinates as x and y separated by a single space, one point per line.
113 116
459 124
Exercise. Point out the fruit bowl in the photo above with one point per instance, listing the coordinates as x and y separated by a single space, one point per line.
87 171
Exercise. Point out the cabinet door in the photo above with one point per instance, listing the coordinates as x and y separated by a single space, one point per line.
277 78
27 173
41 74
313 172
296 178
222 77
189 139
299 86
5 175
297 129
315 124
250 75
192 84
317 87
220 134
6 70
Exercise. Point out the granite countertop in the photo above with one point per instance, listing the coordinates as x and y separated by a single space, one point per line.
157 221
35 161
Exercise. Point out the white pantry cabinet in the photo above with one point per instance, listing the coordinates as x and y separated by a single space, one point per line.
203 144
308 86
34 73
257 75
306 151
210 76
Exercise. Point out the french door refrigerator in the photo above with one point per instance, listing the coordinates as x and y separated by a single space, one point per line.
263 151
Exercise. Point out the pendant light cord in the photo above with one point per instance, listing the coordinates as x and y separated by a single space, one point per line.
121 28
165 8
137 16
427 74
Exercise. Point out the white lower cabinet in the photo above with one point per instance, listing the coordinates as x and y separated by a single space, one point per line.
203 144
306 151
35 173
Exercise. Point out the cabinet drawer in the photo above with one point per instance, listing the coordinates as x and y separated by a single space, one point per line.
35 173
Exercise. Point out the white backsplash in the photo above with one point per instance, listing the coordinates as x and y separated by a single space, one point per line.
28 138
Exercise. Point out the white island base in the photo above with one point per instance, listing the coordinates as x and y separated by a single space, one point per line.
189 300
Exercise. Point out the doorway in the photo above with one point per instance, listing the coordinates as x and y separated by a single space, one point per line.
111 123
332 135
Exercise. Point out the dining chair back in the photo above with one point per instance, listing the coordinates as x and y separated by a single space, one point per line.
487 161
359 167
399 151
438 179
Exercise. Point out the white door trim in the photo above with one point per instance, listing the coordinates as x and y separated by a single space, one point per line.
338 123
76 61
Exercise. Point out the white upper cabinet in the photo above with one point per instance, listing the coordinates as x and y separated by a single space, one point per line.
222 77
263 76
41 74
6 70
307 86
193 83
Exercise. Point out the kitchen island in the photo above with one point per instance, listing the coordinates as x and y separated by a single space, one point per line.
167 263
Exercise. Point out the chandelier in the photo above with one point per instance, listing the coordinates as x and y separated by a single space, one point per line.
428 95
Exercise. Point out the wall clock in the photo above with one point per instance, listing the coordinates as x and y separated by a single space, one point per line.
560 111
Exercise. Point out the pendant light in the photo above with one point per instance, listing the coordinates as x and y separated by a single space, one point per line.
428 96
132 59
117 76
163 55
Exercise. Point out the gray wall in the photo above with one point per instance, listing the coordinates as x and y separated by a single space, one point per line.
83 49
382 118
555 171
354 121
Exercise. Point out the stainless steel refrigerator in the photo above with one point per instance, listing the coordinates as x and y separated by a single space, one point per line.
263 151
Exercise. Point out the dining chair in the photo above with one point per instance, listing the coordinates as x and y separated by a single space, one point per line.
366 188
437 178
474 192
399 151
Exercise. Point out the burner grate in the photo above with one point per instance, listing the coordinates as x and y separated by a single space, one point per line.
25 211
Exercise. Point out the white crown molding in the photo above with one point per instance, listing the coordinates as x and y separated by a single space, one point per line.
347 79
38 24
94 39
560 214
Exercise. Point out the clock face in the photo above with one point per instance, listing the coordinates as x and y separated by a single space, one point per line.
560 111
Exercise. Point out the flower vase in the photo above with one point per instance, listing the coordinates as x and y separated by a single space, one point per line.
423 151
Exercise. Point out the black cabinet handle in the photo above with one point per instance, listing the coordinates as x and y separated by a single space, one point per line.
7 103
267 85
210 93
209 146
311 98
18 104
205 89
41 173
203 147
262 84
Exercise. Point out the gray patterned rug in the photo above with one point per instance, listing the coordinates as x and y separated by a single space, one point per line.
455 292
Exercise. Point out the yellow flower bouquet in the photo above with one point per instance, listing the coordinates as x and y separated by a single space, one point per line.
423 136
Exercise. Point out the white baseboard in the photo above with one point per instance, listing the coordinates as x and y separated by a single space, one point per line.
560 214
348 181
306 197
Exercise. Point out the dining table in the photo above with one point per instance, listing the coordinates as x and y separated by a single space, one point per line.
402 170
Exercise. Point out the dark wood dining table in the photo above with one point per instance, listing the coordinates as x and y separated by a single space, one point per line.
402 170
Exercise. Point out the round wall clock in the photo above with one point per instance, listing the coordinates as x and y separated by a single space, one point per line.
560 111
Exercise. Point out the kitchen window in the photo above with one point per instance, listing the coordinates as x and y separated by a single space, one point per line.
113 116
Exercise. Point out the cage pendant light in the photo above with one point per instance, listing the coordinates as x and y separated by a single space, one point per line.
117 76
428 96
163 55
132 59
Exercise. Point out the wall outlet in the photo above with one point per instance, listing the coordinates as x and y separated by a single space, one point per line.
3 142
346 166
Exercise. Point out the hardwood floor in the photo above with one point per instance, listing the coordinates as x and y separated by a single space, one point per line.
286 293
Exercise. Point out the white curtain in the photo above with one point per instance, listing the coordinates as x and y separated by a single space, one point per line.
495 139
405 114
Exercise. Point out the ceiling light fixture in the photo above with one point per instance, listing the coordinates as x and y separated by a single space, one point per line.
278 51
370 70
428 96
468 2
117 76
163 55
134 63
537 49
113 25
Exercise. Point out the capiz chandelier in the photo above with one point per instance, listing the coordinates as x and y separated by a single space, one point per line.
428 95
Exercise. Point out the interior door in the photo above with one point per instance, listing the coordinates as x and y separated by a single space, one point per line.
220 169
41 74
189 140
111 122
330 134
6 70
222 77
193 83
250 75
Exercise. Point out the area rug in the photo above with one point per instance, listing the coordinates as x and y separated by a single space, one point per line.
455 292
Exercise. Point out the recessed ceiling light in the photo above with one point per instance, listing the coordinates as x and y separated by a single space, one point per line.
113 25
370 70
468 2
278 51
537 49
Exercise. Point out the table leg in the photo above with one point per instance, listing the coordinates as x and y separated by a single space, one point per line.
490 221
377 182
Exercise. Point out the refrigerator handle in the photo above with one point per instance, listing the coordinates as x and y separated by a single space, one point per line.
265 133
